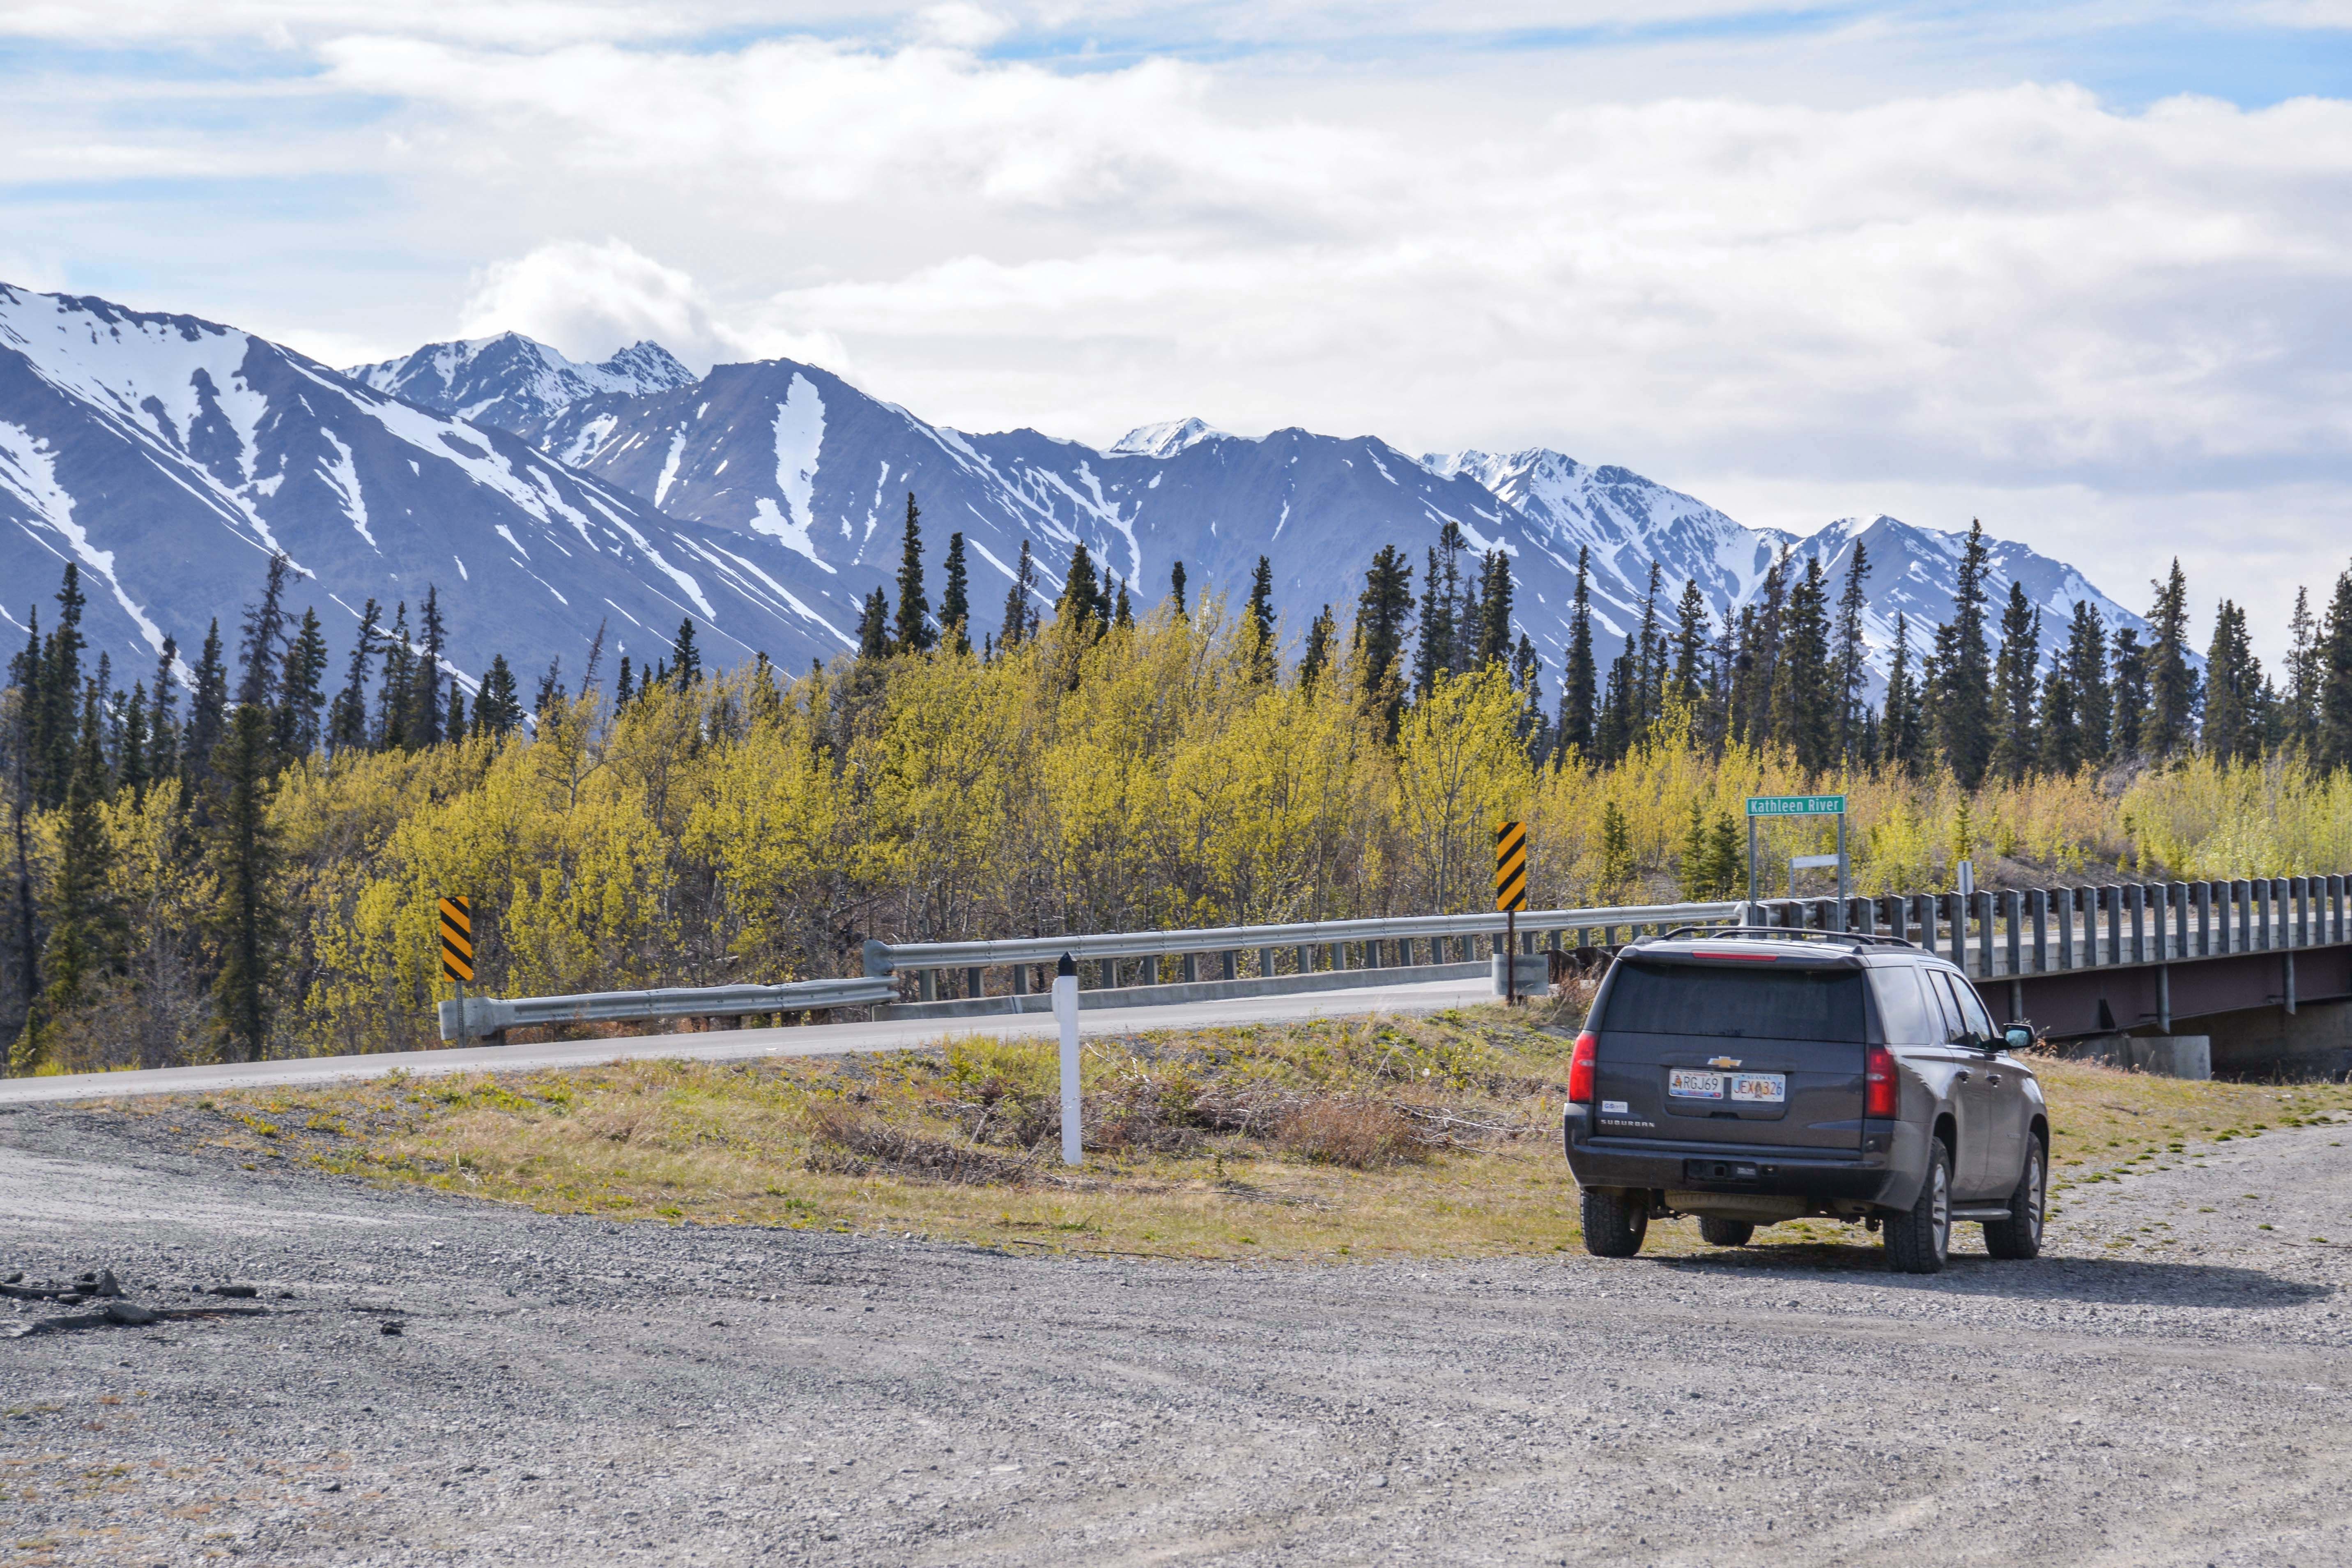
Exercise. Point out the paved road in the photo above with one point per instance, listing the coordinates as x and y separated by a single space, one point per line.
731 1045
2171 1389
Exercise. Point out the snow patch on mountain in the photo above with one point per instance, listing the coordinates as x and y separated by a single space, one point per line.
799 442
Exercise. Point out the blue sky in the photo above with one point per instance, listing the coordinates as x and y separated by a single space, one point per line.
2075 269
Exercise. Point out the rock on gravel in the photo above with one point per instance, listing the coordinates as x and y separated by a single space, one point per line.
2167 1388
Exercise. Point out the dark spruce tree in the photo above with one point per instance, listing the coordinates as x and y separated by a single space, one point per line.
1122 612
2332 749
2172 726
1694 635
1959 695
685 658
499 710
85 924
1083 606
874 626
2299 703
1853 658
425 724
1257 621
163 721
913 632
955 599
2235 699
1020 602
244 861
1382 611
263 648
1316 657
1579 679
395 702
347 719
2127 697
2084 661
1804 710
2016 747
1495 595
1433 653
1176 588
1901 744
207 712
2060 723
295 728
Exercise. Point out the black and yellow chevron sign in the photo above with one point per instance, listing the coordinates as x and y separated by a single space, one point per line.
1511 866
458 939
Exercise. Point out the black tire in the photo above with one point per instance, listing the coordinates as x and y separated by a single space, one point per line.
2020 1236
1615 1221
1920 1239
1725 1232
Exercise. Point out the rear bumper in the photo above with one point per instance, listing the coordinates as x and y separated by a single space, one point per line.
1874 1177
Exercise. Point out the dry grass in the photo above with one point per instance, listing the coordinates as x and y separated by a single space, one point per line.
1333 1139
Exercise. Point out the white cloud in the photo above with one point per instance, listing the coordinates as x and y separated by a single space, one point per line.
590 299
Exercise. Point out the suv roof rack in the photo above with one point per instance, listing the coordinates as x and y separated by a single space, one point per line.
1786 933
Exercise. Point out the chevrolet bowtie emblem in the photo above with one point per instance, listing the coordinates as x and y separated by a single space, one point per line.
1725 1062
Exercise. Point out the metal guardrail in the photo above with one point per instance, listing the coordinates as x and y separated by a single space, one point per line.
1989 935
889 958
1387 944
487 1016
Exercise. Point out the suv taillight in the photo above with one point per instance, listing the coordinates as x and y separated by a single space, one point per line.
1579 1069
1880 1093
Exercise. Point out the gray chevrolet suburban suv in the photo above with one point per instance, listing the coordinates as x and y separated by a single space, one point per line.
1755 1075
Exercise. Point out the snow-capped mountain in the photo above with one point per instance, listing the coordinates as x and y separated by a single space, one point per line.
540 495
171 456
511 381
794 453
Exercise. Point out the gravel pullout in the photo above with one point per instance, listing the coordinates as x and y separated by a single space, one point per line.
569 1391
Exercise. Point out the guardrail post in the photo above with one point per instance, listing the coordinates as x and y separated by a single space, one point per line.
927 985
1191 969
1957 915
2010 908
2202 894
2064 908
2336 909
2178 895
2260 889
975 983
2136 900
1021 980
2111 899
1982 901
2037 912
2298 889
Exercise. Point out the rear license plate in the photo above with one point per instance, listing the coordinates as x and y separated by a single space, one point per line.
1761 1088
1688 1083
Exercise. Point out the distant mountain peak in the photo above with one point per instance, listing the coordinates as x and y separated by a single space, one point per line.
509 380
1166 439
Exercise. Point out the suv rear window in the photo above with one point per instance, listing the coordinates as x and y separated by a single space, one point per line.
1736 1004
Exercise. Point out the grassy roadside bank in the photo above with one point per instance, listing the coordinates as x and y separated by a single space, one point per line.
1326 1140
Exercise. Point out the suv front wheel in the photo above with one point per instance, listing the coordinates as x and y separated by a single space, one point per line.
1920 1239
2020 1236
1615 1221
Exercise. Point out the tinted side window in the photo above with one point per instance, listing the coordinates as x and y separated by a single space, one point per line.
1751 1003
1910 1018
1945 1005
1972 1010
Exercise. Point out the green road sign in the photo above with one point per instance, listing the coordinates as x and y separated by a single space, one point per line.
1796 805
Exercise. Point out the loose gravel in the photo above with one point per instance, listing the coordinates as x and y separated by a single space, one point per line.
439 1381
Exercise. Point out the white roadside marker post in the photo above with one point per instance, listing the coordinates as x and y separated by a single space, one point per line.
1066 1013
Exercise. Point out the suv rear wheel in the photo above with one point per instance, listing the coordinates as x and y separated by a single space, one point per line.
1920 1239
1615 1221
2020 1236
1724 1232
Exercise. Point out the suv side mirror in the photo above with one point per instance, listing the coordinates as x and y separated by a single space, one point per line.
2018 1036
